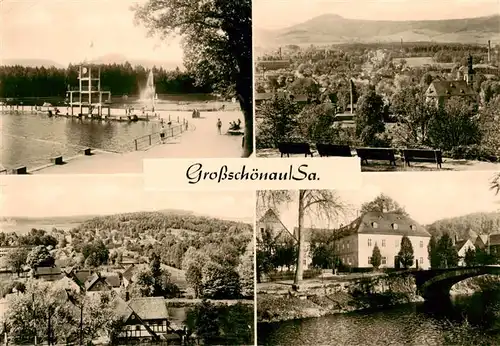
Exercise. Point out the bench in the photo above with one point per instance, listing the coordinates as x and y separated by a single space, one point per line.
57 160
87 151
20 170
423 155
333 150
294 148
381 154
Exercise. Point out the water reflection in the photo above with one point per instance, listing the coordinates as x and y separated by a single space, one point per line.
30 140
412 324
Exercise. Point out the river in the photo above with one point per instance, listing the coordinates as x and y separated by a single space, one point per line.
463 320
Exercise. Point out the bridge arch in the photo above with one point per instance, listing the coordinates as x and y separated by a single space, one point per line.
435 284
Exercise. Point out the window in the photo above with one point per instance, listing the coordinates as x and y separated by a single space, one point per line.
421 262
374 225
384 260
369 260
395 226
383 242
413 227
421 243
262 230
347 245
369 242
342 246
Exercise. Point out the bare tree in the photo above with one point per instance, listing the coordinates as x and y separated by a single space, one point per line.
495 183
323 204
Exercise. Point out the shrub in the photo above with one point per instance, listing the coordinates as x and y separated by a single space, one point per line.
472 152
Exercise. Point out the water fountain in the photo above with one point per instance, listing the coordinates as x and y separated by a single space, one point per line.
148 94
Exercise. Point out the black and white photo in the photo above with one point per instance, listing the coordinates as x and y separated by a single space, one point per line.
402 85
97 86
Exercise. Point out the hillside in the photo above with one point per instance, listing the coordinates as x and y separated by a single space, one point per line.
467 226
331 28
10 223
31 63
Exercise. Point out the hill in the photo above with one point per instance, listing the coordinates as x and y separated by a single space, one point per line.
31 63
147 64
467 226
334 29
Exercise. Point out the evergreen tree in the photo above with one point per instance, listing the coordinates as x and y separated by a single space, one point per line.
376 259
433 255
406 253
446 252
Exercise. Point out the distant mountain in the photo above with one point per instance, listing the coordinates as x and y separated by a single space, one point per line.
26 223
30 63
467 226
331 29
105 59
121 59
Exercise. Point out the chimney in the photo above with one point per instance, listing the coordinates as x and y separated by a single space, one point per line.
351 94
489 52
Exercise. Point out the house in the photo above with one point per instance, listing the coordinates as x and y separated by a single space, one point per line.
270 65
439 92
97 284
356 241
494 244
462 246
79 276
271 223
68 283
143 318
481 242
48 273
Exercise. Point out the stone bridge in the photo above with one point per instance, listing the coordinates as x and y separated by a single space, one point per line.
436 283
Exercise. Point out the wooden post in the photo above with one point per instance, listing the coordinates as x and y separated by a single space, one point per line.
135 141
149 140
169 117
177 118
172 131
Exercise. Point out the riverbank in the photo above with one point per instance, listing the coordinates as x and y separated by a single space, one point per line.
317 299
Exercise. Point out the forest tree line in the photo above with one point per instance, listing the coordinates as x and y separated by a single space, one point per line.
120 79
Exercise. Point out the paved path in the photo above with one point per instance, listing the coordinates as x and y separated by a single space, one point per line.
202 142
376 166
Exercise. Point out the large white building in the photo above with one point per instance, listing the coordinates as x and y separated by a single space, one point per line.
355 242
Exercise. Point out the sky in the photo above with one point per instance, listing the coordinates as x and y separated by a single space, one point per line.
426 196
62 31
293 12
72 195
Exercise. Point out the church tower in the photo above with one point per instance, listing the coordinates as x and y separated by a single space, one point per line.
469 76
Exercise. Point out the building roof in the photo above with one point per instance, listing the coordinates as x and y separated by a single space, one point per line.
391 223
82 275
129 272
113 279
495 239
459 244
271 217
150 308
48 273
447 88
94 279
